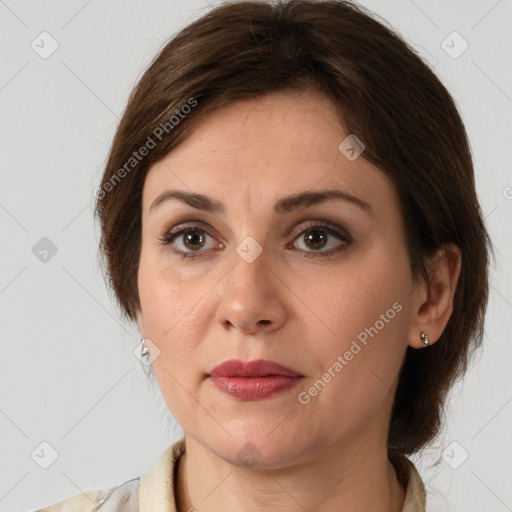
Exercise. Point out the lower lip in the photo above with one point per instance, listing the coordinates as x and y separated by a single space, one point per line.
254 388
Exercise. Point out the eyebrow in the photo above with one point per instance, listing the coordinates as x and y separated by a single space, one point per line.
285 205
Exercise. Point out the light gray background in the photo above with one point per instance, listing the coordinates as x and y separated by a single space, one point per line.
67 372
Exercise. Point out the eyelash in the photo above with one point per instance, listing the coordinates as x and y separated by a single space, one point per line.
345 238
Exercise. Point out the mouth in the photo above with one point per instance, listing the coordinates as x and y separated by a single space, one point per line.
253 380
255 368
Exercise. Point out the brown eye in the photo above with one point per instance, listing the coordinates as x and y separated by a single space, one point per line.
315 239
189 241
193 239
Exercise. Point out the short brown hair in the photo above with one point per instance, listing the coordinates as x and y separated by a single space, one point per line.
386 95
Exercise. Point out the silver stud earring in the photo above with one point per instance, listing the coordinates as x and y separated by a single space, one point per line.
424 339
145 357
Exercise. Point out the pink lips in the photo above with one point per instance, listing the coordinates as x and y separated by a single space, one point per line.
253 380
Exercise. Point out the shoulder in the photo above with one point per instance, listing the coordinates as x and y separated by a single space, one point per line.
409 477
122 498
149 492
415 497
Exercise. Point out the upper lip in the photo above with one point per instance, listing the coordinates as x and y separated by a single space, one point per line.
254 368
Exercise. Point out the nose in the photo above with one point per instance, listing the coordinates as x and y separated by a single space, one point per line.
252 296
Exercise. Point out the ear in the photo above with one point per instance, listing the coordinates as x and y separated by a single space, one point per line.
434 302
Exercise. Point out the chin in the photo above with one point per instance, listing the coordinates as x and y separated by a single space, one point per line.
254 445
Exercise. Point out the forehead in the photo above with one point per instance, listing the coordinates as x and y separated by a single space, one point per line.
275 145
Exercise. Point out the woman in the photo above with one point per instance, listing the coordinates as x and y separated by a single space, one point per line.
288 212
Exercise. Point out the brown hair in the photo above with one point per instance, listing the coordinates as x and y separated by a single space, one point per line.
387 96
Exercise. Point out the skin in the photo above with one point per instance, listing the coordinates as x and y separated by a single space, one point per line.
286 306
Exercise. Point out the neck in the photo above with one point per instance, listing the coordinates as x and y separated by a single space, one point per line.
337 478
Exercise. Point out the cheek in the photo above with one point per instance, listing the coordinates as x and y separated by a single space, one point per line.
169 301
172 320
353 297
166 307
357 369
365 314
178 313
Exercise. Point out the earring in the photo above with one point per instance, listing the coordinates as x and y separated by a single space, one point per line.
424 338
145 357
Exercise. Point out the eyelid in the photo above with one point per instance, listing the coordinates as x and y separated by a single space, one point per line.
334 230
191 224
181 228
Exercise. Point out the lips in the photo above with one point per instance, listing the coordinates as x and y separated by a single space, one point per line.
253 380
255 368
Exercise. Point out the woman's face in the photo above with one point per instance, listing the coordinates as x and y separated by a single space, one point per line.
267 270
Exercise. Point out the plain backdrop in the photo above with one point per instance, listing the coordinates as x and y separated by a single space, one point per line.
68 376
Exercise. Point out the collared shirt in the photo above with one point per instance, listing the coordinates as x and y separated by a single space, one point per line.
154 492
